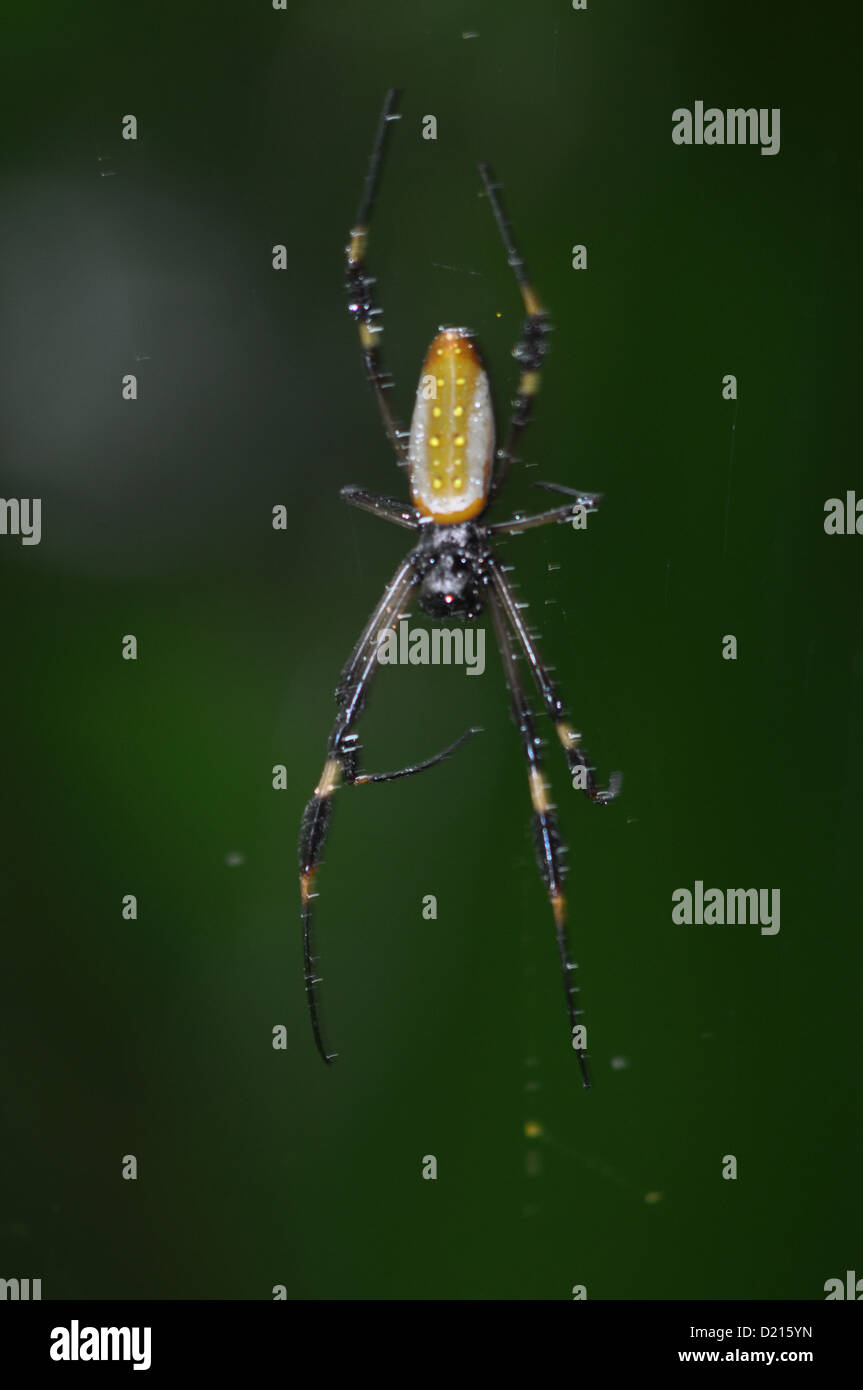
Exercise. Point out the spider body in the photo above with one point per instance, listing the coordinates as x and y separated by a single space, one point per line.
451 443
453 571
451 564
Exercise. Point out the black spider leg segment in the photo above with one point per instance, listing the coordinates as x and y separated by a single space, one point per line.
341 768
341 765
588 500
403 576
546 837
576 757
389 508
362 304
531 347
574 492
364 777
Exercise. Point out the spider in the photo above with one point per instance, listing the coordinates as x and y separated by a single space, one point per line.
453 568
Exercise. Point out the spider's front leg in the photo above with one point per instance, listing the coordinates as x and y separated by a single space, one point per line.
342 768
529 352
586 501
389 508
360 285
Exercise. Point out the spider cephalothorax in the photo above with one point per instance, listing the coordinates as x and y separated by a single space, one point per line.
450 563
453 570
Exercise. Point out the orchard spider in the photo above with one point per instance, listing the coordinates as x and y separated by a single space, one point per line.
453 567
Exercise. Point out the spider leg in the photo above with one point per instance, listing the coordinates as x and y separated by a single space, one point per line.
588 500
573 492
547 842
531 347
390 508
576 756
341 759
362 778
405 577
341 768
362 303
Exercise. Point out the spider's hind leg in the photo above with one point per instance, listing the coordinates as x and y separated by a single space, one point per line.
546 836
341 764
580 767
342 768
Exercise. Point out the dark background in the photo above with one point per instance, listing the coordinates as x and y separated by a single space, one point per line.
260 1167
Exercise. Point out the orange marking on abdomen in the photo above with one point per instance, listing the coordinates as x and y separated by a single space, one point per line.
452 431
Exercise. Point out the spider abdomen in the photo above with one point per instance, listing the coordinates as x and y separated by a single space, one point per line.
452 431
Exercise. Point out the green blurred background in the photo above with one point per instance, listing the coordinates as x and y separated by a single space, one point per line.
260 1167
